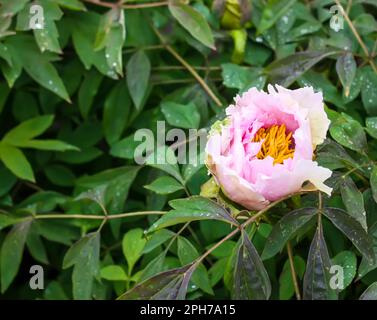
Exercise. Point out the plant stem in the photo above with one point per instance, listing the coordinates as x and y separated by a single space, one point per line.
127 6
102 3
293 271
176 81
176 236
189 68
145 5
245 224
167 68
194 74
97 217
319 208
146 48
102 223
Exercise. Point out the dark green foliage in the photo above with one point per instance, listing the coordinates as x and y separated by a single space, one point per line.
74 198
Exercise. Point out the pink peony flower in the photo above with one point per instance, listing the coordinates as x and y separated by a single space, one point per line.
263 150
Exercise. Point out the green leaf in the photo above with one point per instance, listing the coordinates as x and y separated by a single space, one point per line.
44 201
216 272
303 29
286 286
51 145
113 273
117 182
114 44
137 74
54 291
346 69
168 285
366 265
28 129
56 231
368 91
13 71
355 87
373 182
88 91
15 161
5 54
187 253
47 38
371 124
72 4
37 65
352 230
271 13
84 29
6 220
133 244
347 260
181 116
317 274
96 194
157 239
60 175
163 158
84 255
365 23
116 113
251 281
4 92
285 71
36 247
124 148
193 22
154 267
164 185
333 156
353 200
111 35
224 250
73 157
287 228
242 78
11 253
370 293
9 8
194 165
349 133
192 209
7 179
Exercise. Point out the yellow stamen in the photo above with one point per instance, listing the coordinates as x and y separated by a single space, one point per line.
276 143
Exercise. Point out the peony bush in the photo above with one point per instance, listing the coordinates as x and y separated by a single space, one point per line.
108 189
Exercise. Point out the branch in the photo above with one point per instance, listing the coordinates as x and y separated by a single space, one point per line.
145 5
245 224
97 217
127 6
357 36
188 67
194 74
102 3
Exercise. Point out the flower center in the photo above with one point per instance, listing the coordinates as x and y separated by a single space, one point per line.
277 143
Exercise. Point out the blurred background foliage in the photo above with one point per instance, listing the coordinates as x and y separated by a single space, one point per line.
72 95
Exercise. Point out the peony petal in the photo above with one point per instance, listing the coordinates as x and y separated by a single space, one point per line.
313 102
238 189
